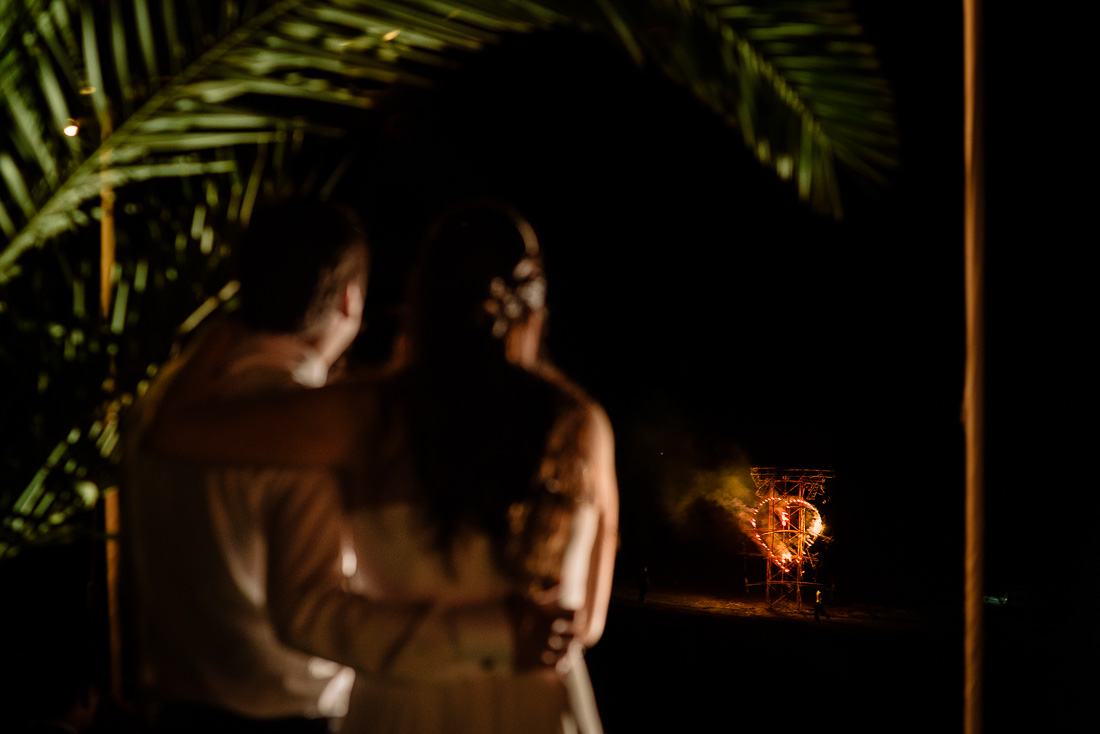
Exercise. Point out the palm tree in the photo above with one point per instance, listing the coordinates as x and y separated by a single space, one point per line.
136 133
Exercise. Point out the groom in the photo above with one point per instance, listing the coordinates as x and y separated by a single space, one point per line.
236 567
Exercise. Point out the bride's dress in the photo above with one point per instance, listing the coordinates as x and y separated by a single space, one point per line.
397 560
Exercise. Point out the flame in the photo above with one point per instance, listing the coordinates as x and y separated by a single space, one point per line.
800 524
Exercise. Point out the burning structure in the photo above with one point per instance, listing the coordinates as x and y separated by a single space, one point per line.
785 524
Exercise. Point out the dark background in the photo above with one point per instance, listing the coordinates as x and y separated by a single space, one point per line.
720 322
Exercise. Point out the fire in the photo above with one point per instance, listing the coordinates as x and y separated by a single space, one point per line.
785 525
785 528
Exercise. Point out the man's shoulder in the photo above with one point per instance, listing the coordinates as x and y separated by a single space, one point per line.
265 362
257 378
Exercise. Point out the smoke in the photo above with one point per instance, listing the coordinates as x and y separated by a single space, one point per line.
727 489
700 484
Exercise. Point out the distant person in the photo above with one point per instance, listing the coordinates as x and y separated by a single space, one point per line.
240 569
819 606
478 472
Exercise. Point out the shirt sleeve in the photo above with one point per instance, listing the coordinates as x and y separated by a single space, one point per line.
314 610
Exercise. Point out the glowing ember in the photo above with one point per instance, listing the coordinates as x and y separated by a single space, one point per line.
785 528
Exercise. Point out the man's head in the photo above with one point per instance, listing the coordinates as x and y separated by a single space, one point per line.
303 271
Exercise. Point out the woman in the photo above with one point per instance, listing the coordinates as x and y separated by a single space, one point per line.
475 472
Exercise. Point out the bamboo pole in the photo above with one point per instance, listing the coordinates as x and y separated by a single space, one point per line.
973 397
106 250
110 498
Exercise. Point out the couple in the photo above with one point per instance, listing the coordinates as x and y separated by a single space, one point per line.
464 559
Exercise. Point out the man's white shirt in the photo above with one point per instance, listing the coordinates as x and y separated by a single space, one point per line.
242 573
221 553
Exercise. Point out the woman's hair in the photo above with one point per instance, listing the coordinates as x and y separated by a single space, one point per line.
480 273
479 425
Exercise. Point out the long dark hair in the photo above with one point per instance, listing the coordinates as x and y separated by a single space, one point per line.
480 271
478 424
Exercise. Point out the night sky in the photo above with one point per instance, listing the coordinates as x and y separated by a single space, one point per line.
720 322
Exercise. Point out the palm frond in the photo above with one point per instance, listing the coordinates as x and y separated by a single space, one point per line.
211 107
188 114
797 80
252 78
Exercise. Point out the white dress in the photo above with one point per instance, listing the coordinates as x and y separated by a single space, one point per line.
398 561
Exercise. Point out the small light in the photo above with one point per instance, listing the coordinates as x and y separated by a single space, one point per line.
391 35
88 90
88 493
71 130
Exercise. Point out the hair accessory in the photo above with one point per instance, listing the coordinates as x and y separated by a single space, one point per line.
508 300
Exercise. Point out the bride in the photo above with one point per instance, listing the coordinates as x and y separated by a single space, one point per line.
474 472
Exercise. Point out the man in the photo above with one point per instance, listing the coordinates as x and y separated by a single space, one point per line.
819 606
240 572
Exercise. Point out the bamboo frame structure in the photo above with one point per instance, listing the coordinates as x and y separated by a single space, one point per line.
787 528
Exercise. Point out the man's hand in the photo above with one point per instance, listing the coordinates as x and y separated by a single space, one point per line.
543 631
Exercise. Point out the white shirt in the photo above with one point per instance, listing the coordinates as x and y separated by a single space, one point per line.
205 542
238 569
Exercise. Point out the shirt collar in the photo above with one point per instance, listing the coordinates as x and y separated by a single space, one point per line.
280 351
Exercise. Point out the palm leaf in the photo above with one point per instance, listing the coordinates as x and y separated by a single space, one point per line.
210 108
795 78
188 114
286 58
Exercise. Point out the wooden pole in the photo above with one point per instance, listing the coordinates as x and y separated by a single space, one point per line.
110 497
106 250
111 526
973 396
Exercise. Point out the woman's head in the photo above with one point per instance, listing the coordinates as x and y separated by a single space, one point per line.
478 424
481 282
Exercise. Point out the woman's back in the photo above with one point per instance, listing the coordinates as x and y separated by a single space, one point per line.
492 454
464 489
